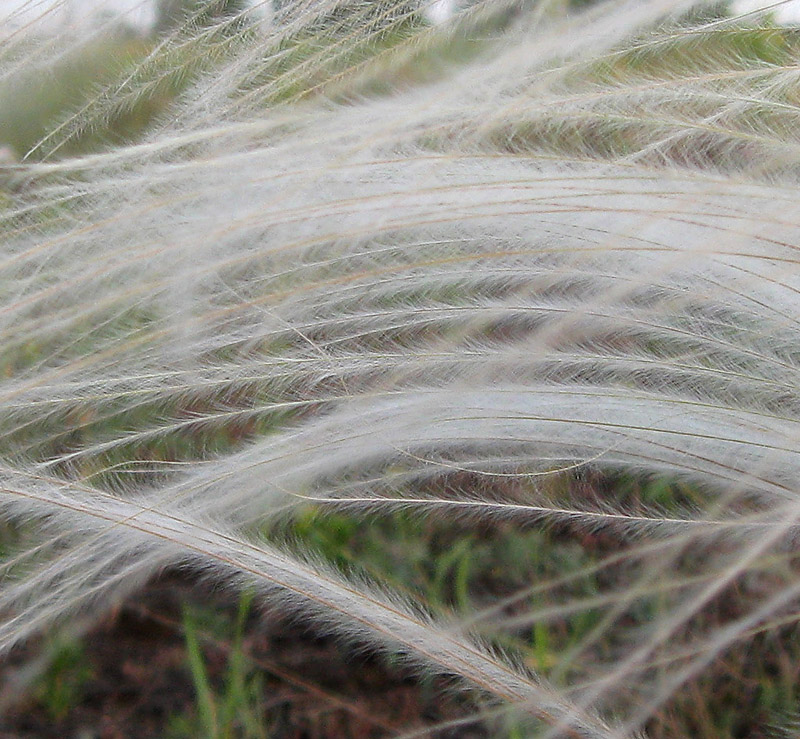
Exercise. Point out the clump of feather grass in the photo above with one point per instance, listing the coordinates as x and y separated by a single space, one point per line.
550 255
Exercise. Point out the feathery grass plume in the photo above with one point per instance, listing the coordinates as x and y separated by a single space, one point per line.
371 261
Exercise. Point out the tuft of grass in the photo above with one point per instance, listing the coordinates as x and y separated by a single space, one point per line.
236 711
474 345
62 685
